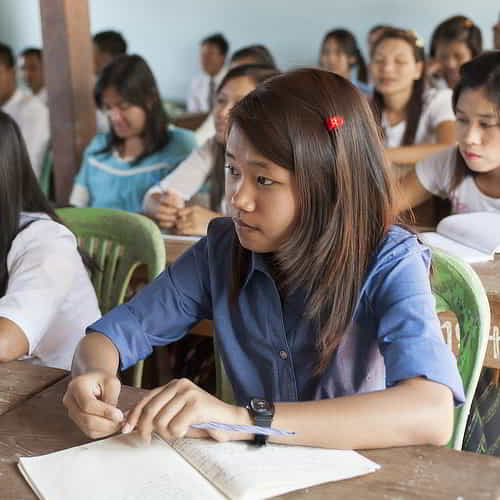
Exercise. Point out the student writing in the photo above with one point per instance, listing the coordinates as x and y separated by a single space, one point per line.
120 166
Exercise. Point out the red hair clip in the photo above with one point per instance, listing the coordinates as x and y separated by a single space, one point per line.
333 122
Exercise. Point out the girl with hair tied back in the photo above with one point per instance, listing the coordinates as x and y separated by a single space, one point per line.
323 311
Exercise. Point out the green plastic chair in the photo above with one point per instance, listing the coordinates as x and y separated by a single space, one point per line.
46 173
458 289
118 242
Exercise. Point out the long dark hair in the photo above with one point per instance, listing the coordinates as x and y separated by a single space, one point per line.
19 190
132 78
483 72
347 42
414 106
460 29
257 73
345 198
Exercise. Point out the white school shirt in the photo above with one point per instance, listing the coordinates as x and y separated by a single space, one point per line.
43 95
436 172
32 117
187 179
436 108
199 93
49 294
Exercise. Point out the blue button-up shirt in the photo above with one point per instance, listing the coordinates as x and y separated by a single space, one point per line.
268 346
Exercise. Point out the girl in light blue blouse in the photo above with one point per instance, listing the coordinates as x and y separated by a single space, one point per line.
323 309
118 168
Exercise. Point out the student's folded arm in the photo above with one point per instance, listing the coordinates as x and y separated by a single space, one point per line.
407 155
39 280
411 193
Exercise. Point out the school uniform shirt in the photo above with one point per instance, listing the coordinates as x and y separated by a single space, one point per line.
49 294
198 100
43 95
188 178
206 130
32 117
436 108
268 347
106 180
436 174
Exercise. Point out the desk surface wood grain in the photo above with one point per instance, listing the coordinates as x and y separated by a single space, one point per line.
40 425
18 382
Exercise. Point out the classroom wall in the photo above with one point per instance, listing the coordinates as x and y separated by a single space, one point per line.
167 33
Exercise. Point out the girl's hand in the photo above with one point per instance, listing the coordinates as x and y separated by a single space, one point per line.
91 403
164 208
171 409
194 220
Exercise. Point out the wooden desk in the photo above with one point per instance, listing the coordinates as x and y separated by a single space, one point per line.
40 425
489 274
19 381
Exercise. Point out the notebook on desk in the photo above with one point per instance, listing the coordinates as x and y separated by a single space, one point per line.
121 467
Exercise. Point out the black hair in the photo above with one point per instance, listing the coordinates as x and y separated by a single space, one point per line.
19 190
458 28
347 42
111 42
32 51
258 73
219 40
482 72
414 106
6 56
132 78
260 54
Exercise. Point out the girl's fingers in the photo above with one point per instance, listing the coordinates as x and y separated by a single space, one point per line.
161 423
135 413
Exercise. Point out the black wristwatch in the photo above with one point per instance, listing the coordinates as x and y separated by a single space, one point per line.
262 413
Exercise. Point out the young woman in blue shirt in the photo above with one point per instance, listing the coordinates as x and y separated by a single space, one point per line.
320 304
140 149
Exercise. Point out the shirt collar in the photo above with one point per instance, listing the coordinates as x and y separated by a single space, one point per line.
14 99
257 262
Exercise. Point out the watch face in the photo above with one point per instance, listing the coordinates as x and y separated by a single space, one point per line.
261 406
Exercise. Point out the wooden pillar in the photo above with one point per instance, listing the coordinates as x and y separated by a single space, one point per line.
68 67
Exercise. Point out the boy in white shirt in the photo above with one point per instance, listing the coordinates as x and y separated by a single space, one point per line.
213 53
29 112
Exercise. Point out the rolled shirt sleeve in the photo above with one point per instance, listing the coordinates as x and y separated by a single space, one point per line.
409 333
162 312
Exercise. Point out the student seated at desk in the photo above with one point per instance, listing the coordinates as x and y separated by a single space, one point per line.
416 121
251 54
323 308
469 176
46 297
207 162
119 167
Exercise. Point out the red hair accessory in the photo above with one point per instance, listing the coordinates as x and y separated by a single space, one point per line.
333 122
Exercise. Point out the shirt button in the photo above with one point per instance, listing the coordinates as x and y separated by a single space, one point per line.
283 355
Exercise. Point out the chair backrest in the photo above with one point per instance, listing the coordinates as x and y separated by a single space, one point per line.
458 289
46 173
118 242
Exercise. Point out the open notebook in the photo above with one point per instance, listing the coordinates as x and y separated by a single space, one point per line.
121 467
474 237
